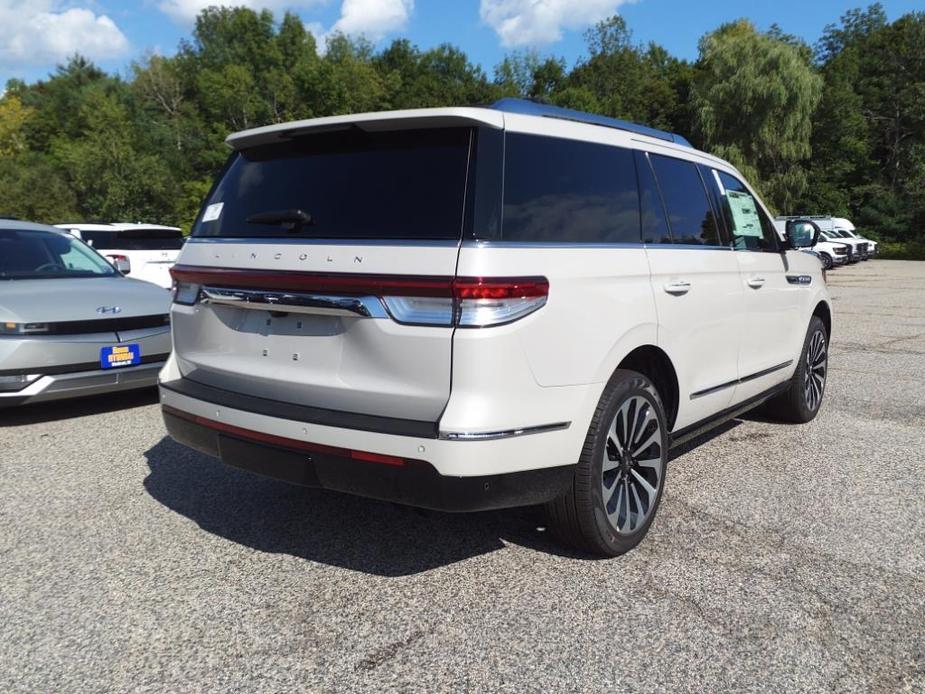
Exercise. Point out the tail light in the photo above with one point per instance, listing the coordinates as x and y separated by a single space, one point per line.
485 302
186 293
465 302
473 302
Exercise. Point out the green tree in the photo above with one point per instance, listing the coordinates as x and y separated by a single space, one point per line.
626 80
525 74
13 117
753 98
111 178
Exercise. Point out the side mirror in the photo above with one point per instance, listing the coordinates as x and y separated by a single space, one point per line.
120 263
802 233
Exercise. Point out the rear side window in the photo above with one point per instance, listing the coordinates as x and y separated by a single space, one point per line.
690 214
407 184
135 239
566 191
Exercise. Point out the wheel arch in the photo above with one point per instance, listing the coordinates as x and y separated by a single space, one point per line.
825 315
655 364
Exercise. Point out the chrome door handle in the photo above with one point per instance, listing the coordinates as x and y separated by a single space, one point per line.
756 282
678 288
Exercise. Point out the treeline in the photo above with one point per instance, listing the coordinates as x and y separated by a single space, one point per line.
837 128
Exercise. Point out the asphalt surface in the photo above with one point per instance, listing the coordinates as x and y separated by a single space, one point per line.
784 558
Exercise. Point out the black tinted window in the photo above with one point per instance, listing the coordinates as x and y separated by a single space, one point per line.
135 240
568 191
748 224
406 184
690 214
654 223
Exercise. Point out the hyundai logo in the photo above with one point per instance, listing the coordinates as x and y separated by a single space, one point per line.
109 309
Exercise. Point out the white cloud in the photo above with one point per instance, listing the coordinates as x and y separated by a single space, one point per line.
185 11
373 18
536 22
38 32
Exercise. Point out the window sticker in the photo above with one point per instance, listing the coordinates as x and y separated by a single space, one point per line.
744 215
213 212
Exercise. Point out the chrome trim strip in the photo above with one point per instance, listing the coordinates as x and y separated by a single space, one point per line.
509 433
291 302
487 243
744 379
291 241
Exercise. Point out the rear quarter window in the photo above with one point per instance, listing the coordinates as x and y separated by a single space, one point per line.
690 214
567 191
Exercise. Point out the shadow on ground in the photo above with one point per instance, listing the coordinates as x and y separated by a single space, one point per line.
350 532
78 407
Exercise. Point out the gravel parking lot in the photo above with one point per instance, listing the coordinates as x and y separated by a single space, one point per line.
784 558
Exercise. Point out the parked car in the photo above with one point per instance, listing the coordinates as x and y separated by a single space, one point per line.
857 251
846 230
476 308
144 251
70 324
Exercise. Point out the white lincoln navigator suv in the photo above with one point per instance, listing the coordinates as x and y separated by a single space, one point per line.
476 308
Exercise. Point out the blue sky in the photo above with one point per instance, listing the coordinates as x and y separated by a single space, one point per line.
37 34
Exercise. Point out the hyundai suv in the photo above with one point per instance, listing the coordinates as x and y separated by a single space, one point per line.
476 308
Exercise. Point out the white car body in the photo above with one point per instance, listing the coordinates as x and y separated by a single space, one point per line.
503 408
143 251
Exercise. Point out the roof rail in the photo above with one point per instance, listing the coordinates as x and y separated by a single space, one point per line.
532 108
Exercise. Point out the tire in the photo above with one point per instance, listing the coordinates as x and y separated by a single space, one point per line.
827 261
801 401
595 515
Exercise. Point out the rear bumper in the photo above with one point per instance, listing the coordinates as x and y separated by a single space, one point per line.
83 383
411 481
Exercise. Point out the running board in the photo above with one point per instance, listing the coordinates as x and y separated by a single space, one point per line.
676 438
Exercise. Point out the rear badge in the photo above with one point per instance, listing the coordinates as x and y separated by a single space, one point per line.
109 309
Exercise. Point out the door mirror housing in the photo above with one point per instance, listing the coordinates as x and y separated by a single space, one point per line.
120 263
802 233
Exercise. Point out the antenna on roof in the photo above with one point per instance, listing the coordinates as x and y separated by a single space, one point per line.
532 108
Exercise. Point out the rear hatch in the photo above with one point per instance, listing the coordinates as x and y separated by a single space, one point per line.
320 270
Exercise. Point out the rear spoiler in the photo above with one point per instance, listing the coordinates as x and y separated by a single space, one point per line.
411 119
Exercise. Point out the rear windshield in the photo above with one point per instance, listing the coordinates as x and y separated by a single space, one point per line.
348 184
135 239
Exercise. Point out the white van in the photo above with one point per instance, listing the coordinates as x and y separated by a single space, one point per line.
143 251
475 308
